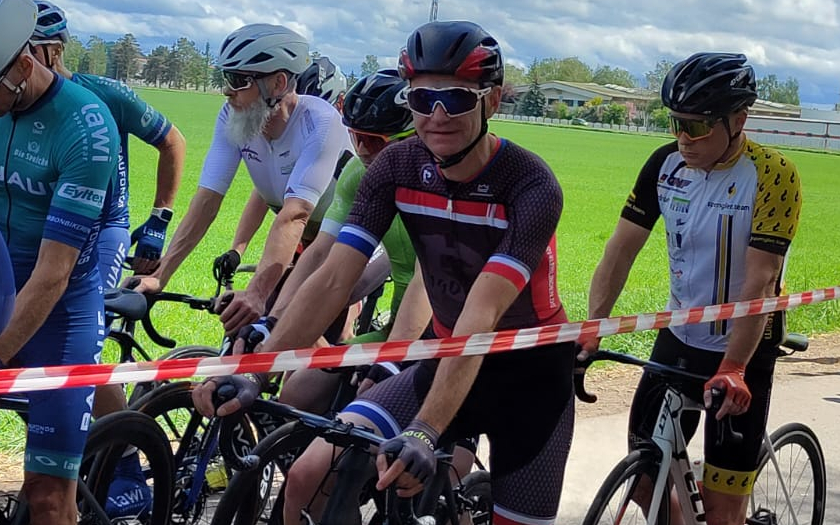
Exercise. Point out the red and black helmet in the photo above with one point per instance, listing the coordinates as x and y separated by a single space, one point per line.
461 49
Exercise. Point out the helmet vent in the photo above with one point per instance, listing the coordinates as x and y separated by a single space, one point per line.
259 58
240 47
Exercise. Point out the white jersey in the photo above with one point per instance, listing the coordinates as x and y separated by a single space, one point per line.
303 162
711 219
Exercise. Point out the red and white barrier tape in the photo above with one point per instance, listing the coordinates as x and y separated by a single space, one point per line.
47 378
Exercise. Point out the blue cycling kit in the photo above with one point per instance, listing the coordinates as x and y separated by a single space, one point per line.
136 117
58 158
7 286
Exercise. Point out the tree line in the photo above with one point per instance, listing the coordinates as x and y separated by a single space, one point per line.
184 66
572 69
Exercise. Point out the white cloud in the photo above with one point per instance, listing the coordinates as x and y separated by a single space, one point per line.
787 37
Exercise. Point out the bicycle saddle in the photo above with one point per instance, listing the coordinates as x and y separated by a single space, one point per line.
125 303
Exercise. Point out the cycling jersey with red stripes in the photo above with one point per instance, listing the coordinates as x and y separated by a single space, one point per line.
500 221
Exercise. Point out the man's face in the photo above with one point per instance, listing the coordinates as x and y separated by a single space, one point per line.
369 145
703 140
434 99
250 113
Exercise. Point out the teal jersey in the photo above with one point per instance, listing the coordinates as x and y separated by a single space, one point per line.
133 116
58 158
396 240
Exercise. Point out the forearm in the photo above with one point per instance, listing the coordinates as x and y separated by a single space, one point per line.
608 280
318 301
614 267
414 313
200 215
37 298
170 168
310 260
250 221
280 246
762 273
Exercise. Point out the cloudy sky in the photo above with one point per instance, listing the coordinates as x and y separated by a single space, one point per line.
799 38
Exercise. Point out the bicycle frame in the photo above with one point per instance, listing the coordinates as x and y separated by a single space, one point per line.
668 438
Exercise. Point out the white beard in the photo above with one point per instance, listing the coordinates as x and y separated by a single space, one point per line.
245 124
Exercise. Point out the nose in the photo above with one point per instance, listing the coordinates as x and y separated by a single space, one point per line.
438 113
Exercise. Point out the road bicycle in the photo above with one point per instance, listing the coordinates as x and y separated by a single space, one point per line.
790 486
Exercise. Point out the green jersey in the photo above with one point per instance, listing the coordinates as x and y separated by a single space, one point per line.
396 240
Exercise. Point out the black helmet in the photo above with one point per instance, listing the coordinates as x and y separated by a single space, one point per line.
461 49
376 104
322 79
714 84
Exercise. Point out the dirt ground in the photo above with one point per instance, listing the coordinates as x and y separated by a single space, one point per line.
614 387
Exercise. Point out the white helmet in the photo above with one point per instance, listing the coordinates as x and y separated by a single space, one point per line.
52 23
17 21
264 48
322 79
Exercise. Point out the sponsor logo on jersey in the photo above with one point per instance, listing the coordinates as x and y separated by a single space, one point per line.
27 184
84 194
250 154
31 156
483 190
680 205
427 175
38 128
673 181
147 117
728 206
731 191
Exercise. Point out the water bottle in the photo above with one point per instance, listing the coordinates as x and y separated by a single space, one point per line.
697 470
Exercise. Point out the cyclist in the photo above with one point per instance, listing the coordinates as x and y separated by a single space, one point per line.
481 213
293 147
731 208
323 79
136 117
61 147
374 117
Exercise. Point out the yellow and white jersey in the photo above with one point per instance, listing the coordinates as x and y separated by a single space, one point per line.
711 218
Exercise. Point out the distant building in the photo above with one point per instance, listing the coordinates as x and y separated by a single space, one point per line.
576 94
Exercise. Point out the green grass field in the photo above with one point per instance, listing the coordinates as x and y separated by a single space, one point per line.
596 170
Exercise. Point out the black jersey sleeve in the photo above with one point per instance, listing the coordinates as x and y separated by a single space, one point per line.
642 205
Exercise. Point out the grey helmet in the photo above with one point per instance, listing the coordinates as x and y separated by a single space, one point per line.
322 79
264 48
17 22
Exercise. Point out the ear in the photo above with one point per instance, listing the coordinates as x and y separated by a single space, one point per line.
492 101
740 120
280 83
24 65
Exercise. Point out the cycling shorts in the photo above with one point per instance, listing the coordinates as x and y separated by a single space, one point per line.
730 458
58 420
527 415
113 245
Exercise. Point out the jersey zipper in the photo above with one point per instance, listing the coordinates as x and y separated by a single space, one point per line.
6 182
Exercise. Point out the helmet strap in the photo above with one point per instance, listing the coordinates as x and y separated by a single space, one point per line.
732 138
452 160
265 91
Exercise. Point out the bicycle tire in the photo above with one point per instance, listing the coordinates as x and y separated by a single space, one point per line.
108 438
183 352
797 449
172 409
240 501
634 466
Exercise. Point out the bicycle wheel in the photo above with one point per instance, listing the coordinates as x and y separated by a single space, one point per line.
183 352
240 502
801 471
172 408
614 504
107 441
